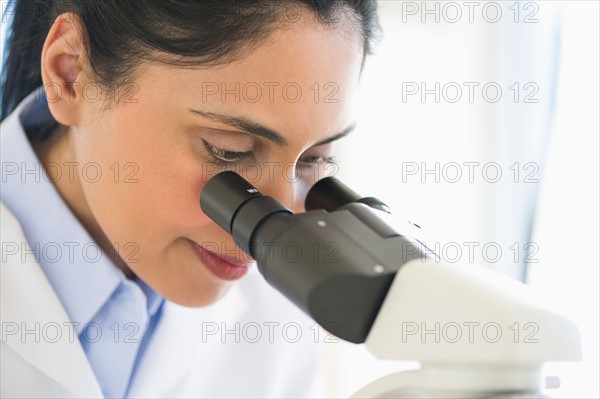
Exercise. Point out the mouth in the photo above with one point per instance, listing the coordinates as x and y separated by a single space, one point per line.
225 268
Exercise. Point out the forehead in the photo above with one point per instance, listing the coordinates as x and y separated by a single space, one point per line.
300 81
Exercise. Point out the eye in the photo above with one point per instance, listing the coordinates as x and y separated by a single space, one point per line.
313 161
220 155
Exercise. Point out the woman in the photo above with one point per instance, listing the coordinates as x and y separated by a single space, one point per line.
115 114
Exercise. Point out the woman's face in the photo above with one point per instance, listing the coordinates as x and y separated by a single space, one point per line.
263 116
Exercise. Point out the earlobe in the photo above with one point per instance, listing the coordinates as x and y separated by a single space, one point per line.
63 72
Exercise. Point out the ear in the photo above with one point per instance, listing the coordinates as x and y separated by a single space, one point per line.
64 69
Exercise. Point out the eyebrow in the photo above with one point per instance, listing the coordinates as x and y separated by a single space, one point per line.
263 131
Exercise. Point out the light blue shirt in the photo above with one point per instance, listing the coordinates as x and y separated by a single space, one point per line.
95 294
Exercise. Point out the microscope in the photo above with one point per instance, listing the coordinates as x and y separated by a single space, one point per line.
475 332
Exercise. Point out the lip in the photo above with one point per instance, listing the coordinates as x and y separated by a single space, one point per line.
223 268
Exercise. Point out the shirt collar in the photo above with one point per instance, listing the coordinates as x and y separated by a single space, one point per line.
83 276
153 299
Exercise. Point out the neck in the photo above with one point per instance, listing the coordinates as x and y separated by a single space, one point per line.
58 150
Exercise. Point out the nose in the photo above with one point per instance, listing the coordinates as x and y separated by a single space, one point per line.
290 192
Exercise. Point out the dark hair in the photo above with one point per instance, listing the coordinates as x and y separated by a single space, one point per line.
120 34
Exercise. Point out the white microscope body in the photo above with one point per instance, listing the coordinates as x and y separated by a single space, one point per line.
476 333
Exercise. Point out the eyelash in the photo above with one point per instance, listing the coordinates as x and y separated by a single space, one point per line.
224 157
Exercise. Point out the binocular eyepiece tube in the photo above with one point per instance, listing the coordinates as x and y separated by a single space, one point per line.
239 207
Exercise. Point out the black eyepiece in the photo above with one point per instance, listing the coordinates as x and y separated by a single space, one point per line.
237 206
223 195
330 194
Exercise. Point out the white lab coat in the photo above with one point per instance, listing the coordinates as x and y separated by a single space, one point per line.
185 357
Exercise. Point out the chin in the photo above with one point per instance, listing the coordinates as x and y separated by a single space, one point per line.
200 295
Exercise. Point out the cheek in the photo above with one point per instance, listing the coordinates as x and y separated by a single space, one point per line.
150 184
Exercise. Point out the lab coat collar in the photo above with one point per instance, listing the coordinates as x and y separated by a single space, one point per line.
28 302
